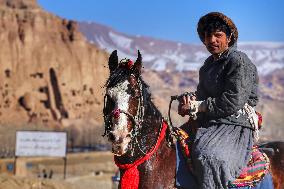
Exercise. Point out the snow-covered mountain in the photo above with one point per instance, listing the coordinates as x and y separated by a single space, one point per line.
162 55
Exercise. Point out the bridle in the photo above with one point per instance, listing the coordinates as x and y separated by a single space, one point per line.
136 120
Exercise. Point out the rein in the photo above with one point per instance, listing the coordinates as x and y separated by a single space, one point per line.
172 128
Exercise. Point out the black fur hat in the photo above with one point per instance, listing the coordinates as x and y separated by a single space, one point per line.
204 20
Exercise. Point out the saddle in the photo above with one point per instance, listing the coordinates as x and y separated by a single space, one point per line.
257 167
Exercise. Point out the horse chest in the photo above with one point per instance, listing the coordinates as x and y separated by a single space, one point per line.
159 171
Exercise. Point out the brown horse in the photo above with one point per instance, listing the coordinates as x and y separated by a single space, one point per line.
133 124
275 152
135 127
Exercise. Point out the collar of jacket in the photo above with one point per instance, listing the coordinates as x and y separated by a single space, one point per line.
224 56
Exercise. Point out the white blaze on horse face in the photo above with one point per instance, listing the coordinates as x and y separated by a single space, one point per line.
121 99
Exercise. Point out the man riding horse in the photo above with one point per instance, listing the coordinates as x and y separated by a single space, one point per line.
224 101
221 147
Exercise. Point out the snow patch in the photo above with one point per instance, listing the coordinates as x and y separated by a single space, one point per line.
262 54
279 54
148 57
269 67
201 55
109 48
101 42
120 41
159 65
188 66
263 44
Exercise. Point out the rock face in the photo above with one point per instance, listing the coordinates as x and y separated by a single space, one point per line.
48 71
19 4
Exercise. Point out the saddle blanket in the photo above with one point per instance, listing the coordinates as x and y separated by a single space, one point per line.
253 177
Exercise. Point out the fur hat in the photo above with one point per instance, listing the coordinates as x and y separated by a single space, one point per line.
204 19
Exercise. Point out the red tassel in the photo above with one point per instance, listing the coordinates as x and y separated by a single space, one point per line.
130 178
259 120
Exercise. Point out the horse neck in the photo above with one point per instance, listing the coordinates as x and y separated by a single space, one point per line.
151 127
162 161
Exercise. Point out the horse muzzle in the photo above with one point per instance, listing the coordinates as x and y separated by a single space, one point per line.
120 145
119 150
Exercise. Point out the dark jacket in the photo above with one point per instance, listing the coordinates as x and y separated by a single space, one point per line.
226 85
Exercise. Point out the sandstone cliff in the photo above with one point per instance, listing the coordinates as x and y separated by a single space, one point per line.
48 71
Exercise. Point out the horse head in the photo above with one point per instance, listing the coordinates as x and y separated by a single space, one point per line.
123 109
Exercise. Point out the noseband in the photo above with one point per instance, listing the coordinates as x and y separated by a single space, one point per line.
135 119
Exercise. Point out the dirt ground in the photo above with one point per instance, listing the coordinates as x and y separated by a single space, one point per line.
84 171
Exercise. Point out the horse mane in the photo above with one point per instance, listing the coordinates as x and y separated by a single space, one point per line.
120 75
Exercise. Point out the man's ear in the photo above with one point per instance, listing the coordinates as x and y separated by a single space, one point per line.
230 38
113 61
138 64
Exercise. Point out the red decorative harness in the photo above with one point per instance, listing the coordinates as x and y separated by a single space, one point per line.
130 178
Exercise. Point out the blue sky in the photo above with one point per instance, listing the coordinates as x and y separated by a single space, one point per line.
257 20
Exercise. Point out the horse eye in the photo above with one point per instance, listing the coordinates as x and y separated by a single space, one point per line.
110 100
135 93
130 91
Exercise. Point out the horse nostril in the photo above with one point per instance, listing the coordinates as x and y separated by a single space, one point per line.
111 137
116 113
128 136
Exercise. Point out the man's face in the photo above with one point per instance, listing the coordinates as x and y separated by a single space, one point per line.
216 42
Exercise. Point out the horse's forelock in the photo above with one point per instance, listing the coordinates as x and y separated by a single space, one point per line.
119 75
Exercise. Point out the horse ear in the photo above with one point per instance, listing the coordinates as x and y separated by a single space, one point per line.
138 63
113 61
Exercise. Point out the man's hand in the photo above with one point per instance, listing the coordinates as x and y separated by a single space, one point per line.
188 105
185 105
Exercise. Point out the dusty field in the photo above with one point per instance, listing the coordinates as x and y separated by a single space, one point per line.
84 171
